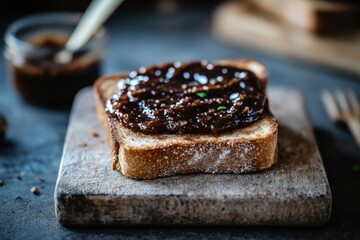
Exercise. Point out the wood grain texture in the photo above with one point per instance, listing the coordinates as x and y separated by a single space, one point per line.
236 23
293 192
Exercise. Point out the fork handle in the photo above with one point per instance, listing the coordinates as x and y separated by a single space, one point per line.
354 127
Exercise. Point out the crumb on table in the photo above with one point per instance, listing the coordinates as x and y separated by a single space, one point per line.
35 190
94 133
83 145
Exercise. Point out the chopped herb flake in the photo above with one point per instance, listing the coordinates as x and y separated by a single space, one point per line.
201 94
221 108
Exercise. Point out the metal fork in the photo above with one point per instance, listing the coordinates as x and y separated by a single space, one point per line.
343 108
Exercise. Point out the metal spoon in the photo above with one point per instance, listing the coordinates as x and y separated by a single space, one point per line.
95 15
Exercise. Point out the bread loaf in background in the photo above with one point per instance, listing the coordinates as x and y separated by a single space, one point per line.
318 16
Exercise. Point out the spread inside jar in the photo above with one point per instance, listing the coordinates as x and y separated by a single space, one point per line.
197 97
41 80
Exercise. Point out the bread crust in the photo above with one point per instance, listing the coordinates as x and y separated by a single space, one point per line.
143 156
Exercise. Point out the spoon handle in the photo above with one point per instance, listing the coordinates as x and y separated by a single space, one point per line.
96 14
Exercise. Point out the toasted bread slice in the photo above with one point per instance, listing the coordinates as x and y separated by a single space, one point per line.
143 156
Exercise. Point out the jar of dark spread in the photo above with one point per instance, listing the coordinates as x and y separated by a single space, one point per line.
197 97
31 46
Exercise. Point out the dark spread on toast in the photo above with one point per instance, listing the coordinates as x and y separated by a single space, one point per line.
197 97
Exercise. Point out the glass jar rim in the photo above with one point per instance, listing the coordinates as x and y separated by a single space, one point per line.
66 18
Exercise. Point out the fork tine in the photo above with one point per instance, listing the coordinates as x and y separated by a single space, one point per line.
330 105
343 103
339 109
354 102
354 127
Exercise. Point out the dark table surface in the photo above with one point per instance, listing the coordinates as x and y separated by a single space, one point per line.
36 135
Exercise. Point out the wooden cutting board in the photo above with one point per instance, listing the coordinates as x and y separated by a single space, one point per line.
293 192
237 23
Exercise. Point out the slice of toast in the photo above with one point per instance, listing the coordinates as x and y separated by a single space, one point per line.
143 156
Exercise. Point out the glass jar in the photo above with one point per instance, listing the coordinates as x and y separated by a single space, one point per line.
31 46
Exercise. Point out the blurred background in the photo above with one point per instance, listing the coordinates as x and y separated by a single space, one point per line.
324 32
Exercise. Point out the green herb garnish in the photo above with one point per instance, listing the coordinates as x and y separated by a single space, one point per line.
213 81
221 108
201 94
356 168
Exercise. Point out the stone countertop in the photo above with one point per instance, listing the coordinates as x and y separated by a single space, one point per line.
36 135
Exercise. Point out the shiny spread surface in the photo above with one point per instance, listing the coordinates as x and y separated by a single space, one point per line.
196 97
